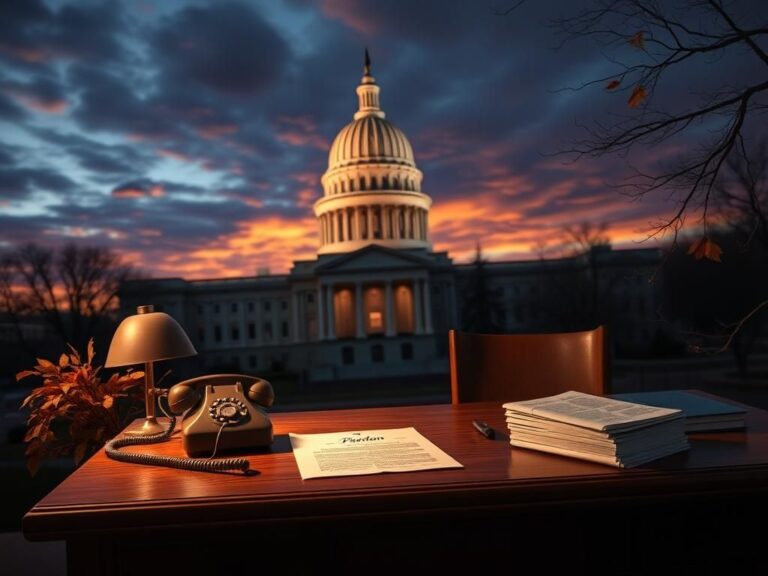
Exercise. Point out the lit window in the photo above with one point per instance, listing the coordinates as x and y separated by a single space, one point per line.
375 320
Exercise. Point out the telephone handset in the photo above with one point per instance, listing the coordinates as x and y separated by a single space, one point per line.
223 410
228 415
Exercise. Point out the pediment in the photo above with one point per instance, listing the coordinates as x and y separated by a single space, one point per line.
372 258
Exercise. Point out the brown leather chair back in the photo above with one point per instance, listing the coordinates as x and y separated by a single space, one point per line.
511 367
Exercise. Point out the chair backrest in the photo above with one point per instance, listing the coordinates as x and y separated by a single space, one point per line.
512 367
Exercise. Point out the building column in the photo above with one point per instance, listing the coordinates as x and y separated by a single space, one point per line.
356 222
417 222
427 307
418 326
389 307
320 312
359 325
334 225
296 315
241 308
370 222
385 222
396 221
408 222
257 321
347 227
329 308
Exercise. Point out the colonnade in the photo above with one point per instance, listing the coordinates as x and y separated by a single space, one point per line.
375 221
422 307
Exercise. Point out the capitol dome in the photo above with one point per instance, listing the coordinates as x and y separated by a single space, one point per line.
370 139
372 188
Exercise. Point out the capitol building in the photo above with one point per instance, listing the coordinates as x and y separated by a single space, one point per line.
377 301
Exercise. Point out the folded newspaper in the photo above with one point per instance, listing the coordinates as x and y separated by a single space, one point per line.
596 428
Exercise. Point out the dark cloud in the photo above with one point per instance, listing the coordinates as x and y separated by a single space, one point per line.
18 183
228 48
32 34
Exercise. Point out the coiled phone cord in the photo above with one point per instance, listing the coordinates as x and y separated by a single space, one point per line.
197 464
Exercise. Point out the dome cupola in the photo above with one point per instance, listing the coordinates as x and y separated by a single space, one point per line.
372 188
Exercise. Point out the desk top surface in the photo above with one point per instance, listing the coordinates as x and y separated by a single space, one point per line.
104 495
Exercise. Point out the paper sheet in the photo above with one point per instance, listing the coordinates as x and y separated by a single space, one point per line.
360 452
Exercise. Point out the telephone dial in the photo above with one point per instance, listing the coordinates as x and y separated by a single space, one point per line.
223 412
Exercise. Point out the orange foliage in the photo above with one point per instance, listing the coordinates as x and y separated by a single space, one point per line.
73 393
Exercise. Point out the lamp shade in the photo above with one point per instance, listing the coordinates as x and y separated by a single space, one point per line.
147 337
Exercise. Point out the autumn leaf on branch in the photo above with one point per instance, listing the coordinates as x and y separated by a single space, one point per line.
75 393
613 84
705 249
637 97
637 40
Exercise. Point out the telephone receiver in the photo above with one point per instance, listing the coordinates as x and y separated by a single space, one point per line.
223 412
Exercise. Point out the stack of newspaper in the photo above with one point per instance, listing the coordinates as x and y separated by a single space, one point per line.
604 430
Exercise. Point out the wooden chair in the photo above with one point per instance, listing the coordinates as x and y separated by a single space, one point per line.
511 367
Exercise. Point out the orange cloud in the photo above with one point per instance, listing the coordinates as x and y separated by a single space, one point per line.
300 131
58 106
175 155
272 242
215 131
350 13
155 191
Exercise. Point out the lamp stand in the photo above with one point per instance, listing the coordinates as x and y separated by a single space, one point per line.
150 425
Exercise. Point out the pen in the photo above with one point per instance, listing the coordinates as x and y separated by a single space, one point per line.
484 429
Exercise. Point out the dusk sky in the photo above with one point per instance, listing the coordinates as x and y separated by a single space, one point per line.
190 137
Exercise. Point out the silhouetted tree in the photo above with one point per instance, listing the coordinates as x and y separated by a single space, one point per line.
73 289
706 299
669 38
481 305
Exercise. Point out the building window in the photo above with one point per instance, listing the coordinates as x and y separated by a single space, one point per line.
251 330
233 307
347 355
284 330
406 351
216 308
217 333
200 309
267 305
344 313
310 297
377 353
373 304
201 334
250 306
404 311
252 361
283 305
234 332
268 331
235 363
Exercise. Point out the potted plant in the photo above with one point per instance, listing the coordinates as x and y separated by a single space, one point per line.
74 411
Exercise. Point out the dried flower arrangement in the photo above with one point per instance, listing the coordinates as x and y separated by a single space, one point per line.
73 394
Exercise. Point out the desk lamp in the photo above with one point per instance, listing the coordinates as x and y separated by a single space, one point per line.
145 338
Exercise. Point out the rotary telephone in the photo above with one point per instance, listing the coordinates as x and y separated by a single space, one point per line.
228 415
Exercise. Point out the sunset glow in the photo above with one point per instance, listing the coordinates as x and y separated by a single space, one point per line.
194 145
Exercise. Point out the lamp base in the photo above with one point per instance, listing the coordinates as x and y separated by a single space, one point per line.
149 427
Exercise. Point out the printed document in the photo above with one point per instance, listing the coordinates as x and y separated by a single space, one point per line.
366 452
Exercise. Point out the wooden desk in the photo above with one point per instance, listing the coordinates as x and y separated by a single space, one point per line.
116 517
